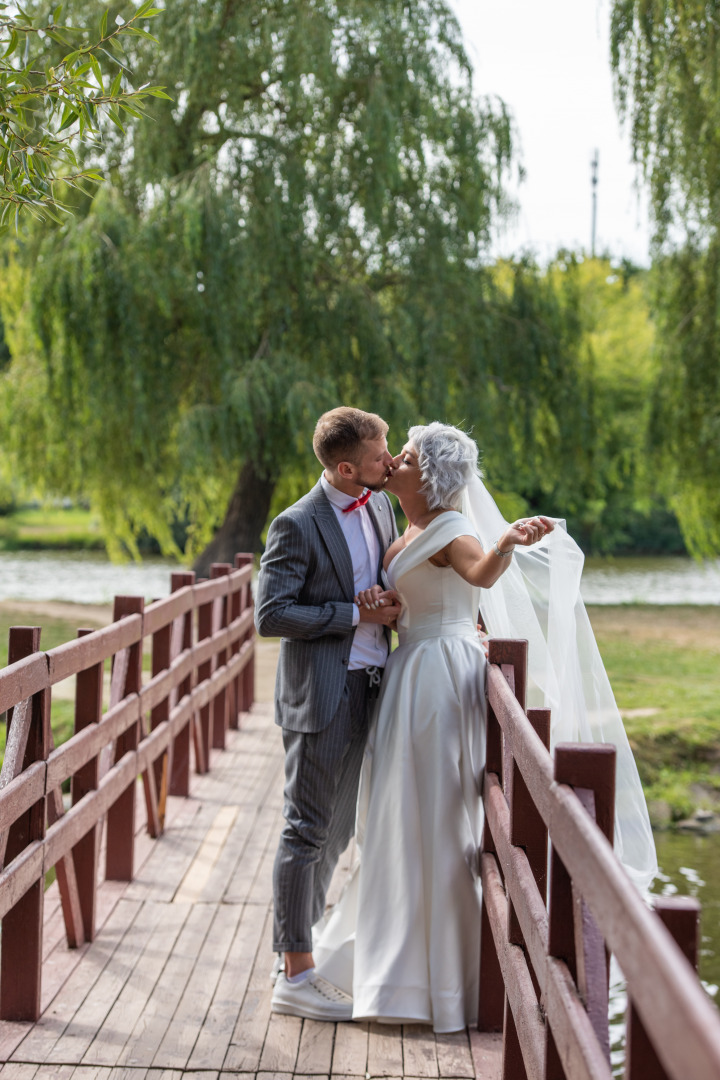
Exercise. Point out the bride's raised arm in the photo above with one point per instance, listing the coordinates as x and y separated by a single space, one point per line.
483 568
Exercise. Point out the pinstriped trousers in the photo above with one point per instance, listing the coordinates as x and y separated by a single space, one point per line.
322 772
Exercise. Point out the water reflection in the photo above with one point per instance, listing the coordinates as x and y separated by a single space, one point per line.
689 866
88 578
80 578
634 580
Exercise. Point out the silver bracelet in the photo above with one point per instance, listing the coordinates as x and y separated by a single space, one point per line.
502 554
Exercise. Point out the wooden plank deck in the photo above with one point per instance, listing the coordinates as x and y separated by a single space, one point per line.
176 986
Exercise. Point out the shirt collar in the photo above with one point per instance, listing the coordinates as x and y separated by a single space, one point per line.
336 497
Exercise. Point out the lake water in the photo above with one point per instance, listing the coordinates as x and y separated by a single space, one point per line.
89 578
689 866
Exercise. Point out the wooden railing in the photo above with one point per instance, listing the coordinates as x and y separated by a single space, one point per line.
544 967
201 639
544 964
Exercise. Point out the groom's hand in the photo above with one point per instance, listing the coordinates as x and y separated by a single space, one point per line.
386 615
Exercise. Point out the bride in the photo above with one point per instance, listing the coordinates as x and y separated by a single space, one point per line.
403 940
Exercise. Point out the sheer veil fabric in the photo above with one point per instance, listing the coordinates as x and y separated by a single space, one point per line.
538 598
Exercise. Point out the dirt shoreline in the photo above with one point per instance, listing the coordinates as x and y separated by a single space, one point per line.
95 614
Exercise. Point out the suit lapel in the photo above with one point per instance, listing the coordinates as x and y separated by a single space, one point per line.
335 542
379 511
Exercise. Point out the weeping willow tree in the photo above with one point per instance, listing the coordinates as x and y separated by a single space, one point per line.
665 56
261 255
307 224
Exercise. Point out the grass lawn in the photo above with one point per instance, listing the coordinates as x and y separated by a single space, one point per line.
57 628
43 527
664 666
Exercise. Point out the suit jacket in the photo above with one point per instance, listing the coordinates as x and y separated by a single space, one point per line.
305 596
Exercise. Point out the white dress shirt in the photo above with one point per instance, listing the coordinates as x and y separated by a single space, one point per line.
369 648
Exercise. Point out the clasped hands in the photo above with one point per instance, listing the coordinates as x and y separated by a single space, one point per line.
378 605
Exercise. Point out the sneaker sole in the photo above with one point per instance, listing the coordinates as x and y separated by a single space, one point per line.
309 1014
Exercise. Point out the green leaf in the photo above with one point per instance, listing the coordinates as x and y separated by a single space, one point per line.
104 22
12 44
142 33
133 110
146 10
115 117
69 117
97 72
57 36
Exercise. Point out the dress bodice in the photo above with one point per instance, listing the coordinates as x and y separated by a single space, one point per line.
437 602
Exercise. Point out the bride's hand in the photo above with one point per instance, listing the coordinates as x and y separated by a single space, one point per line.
378 606
376 597
526 531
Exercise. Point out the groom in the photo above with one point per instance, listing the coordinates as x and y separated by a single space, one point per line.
320 553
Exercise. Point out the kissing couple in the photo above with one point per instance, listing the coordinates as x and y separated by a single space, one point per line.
392 745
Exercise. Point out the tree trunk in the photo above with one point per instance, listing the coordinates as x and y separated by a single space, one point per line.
244 520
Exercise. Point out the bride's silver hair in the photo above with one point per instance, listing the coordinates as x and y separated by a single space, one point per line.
448 460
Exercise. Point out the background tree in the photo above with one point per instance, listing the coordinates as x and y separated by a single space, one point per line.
46 107
666 56
307 224
282 238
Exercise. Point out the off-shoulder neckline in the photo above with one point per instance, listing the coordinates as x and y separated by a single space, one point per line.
430 524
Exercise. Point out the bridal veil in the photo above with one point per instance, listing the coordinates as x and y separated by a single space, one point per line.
538 598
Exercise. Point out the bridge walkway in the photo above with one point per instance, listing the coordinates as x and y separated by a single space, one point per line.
176 984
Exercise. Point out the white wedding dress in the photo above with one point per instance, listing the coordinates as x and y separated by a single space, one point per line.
404 938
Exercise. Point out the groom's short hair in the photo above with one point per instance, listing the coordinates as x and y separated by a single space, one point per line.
340 433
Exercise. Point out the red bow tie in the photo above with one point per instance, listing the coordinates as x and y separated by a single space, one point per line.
358 502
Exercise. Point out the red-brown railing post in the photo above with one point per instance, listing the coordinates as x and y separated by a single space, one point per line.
180 769
573 936
528 831
121 815
161 660
88 710
220 703
681 915
491 1004
204 671
247 678
21 944
235 601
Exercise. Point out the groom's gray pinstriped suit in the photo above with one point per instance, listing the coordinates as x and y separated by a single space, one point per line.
305 595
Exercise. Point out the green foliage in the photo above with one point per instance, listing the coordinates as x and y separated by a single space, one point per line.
584 356
305 226
308 225
662 663
57 81
46 528
685 422
665 55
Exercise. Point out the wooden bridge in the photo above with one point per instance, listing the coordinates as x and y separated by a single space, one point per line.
149 955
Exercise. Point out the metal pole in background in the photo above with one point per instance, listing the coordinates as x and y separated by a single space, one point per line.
594 182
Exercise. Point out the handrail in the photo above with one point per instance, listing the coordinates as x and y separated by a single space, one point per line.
544 971
679 1021
202 678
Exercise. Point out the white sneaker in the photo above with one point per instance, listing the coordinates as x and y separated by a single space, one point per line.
314 998
278 966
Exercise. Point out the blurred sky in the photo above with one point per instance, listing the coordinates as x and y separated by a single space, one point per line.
550 63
